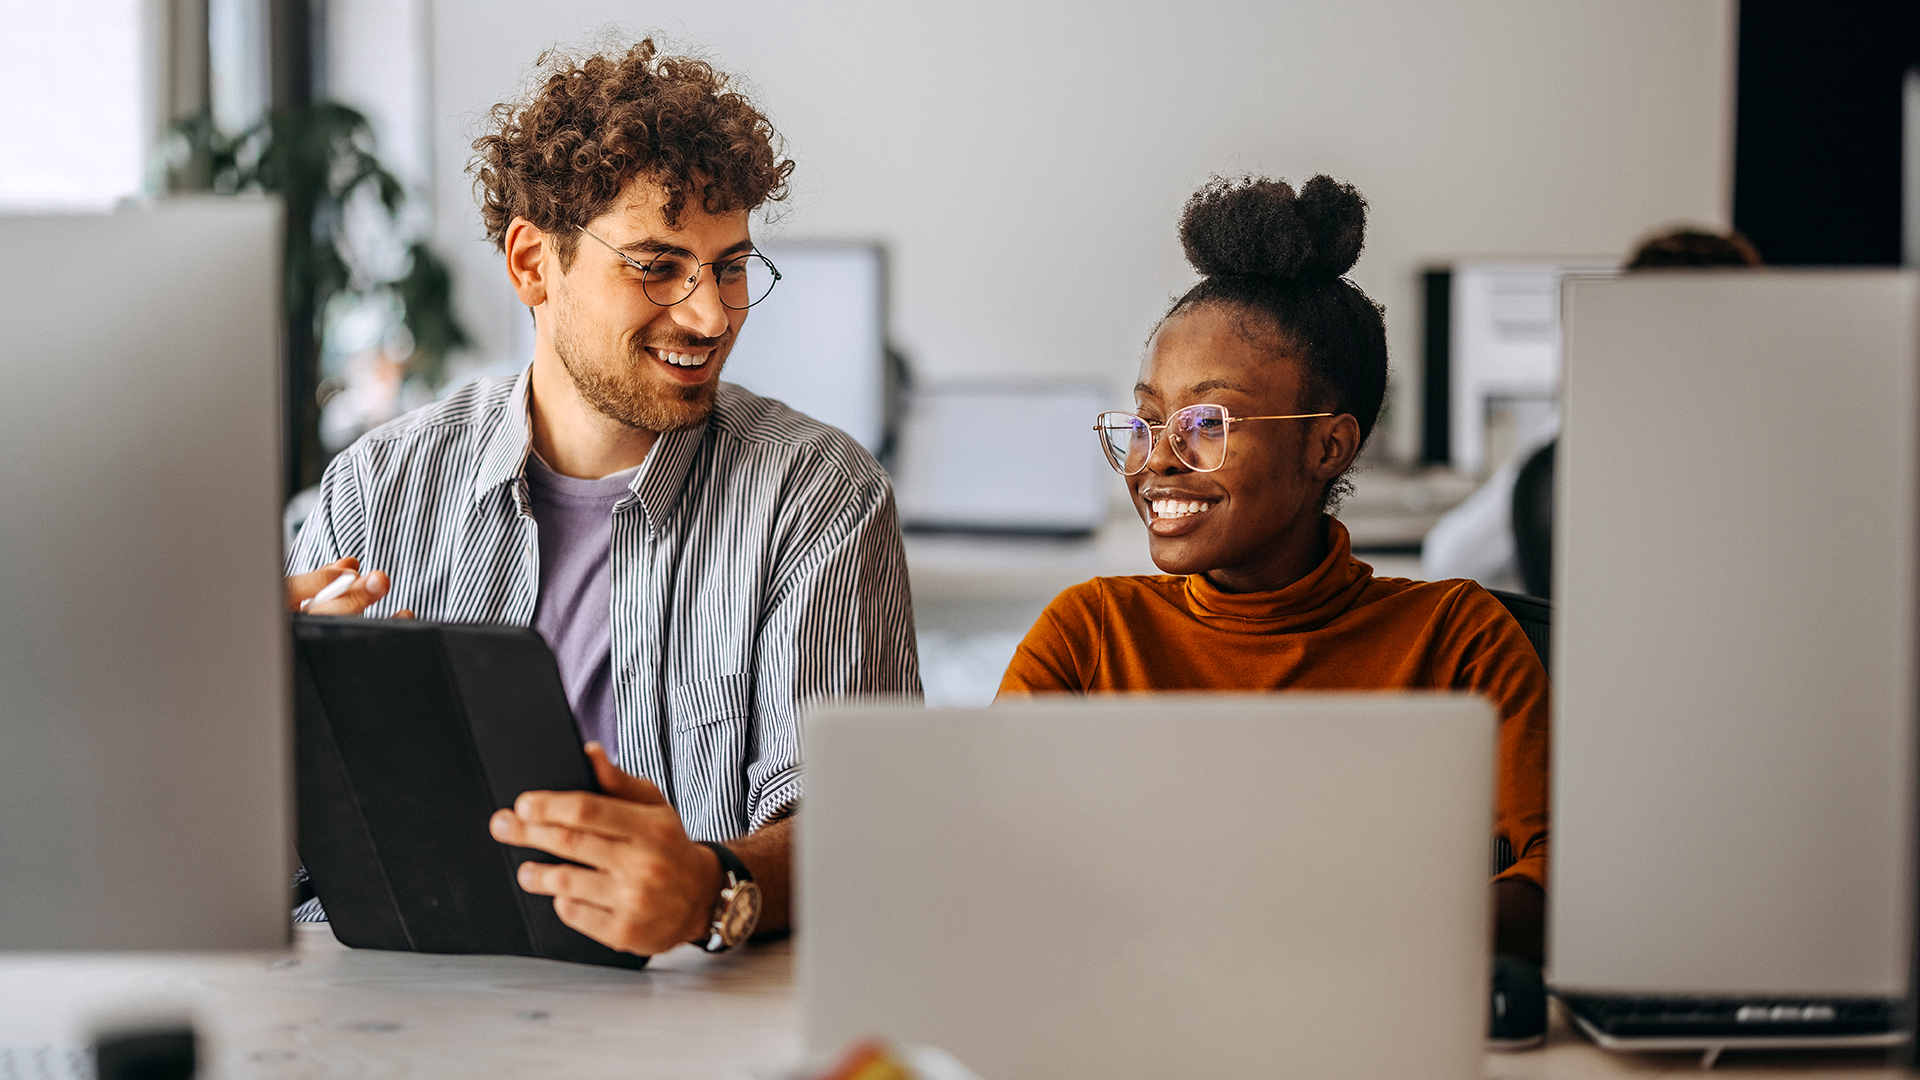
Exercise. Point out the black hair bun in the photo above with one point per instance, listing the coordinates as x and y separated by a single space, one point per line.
1254 227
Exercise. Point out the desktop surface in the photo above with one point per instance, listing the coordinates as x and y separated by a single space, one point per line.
322 1010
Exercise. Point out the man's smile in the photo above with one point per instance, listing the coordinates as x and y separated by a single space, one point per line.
682 359
686 364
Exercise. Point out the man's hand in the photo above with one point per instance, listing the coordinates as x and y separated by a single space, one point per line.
361 595
644 886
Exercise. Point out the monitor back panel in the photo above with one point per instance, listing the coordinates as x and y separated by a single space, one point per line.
144 735
819 339
1734 641
1153 886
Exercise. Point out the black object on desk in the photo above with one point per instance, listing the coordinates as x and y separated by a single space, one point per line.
1517 1017
160 1053
410 735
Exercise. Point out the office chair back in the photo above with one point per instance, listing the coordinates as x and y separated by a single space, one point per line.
1533 523
1535 616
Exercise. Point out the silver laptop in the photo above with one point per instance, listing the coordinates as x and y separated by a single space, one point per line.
1734 656
1153 886
144 731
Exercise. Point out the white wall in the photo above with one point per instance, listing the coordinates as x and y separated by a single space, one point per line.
376 61
1026 161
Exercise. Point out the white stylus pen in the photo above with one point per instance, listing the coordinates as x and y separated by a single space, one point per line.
333 591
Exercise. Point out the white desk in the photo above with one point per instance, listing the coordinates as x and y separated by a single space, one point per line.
322 1010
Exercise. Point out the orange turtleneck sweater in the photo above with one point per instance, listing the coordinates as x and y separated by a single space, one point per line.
1338 628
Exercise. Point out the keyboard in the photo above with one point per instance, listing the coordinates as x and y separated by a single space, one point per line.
1735 1018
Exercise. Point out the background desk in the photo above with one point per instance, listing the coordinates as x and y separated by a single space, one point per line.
322 1010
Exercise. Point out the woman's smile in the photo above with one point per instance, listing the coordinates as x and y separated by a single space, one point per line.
1171 511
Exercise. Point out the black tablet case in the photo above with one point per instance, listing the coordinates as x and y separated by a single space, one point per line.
409 736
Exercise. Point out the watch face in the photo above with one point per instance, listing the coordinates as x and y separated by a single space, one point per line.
743 913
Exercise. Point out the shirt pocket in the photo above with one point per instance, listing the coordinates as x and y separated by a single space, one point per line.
712 700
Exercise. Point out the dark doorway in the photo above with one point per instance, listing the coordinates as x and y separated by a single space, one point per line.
1817 153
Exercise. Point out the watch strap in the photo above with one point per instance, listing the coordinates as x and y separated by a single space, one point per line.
737 876
729 862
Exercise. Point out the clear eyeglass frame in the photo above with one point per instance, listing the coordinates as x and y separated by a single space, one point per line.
673 273
1197 435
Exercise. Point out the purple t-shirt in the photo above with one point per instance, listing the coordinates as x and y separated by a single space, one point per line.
574 611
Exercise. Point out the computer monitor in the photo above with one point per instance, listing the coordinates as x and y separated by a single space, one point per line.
1734 636
961 442
818 342
144 685
1494 354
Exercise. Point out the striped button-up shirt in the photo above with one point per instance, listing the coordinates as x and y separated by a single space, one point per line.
755 566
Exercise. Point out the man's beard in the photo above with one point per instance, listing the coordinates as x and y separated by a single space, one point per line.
616 387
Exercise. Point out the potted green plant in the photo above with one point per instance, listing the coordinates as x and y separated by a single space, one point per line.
318 159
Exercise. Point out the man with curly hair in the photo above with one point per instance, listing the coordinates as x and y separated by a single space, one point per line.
701 560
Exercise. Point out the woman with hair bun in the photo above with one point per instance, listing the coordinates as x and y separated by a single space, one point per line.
1259 387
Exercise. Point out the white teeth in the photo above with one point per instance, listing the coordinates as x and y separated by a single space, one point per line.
682 359
1175 508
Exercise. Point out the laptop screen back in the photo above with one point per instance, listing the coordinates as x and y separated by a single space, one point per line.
1153 886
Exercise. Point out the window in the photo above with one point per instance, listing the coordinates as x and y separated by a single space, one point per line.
74 103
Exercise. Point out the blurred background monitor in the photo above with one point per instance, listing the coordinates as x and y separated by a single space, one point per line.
1010 458
1493 358
144 737
819 341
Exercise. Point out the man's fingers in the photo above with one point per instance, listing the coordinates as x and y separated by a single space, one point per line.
571 882
301 587
611 927
596 922
620 784
360 596
603 814
576 844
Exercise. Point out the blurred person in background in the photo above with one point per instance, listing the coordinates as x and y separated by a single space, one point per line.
1476 539
1258 390
701 560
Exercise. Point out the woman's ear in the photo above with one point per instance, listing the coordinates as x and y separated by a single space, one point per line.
1332 446
527 263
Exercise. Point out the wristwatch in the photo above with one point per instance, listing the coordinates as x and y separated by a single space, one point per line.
738 910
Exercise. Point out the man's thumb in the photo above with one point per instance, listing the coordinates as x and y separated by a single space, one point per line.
617 783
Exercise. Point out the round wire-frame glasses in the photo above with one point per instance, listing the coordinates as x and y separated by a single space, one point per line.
669 277
1197 434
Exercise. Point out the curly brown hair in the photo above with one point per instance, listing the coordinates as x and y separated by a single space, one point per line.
561 157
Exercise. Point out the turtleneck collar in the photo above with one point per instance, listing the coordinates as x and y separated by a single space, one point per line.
1311 602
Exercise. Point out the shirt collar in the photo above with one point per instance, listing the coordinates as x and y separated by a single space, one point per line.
657 485
503 456
662 476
